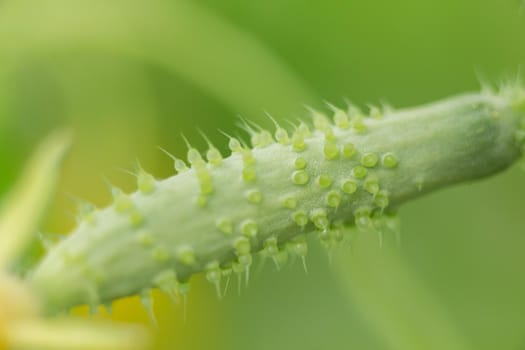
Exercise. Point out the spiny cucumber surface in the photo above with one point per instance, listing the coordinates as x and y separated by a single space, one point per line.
215 214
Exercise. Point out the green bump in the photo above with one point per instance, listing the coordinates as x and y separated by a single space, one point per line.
299 163
363 211
262 139
165 280
201 200
329 134
145 183
358 125
362 218
333 199
136 218
325 237
249 228
254 196
270 245
371 185
320 121
300 218
280 258
87 213
255 139
206 187
213 272
300 248
183 288
122 202
389 160
289 202
186 255
161 254
349 150
195 158
319 218
341 120
369 160
226 270
203 174
180 166
300 177
354 111
304 130
245 261
359 172
234 145
298 143
248 174
266 138
381 199
375 112
214 156
349 186
247 156
330 151
281 136
146 300
225 226
145 239
324 181
338 235
242 246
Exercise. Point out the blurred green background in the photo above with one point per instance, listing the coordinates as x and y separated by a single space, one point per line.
130 75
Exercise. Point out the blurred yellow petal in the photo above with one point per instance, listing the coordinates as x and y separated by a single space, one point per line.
16 302
27 202
70 334
22 328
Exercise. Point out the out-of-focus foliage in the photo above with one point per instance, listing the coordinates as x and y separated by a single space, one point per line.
130 75
26 204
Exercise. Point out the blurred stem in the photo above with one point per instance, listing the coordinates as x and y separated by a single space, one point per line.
178 35
28 201
392 300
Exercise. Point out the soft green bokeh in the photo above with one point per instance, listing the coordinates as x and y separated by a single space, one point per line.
130 75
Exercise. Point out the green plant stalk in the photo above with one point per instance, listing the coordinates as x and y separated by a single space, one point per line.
214 216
